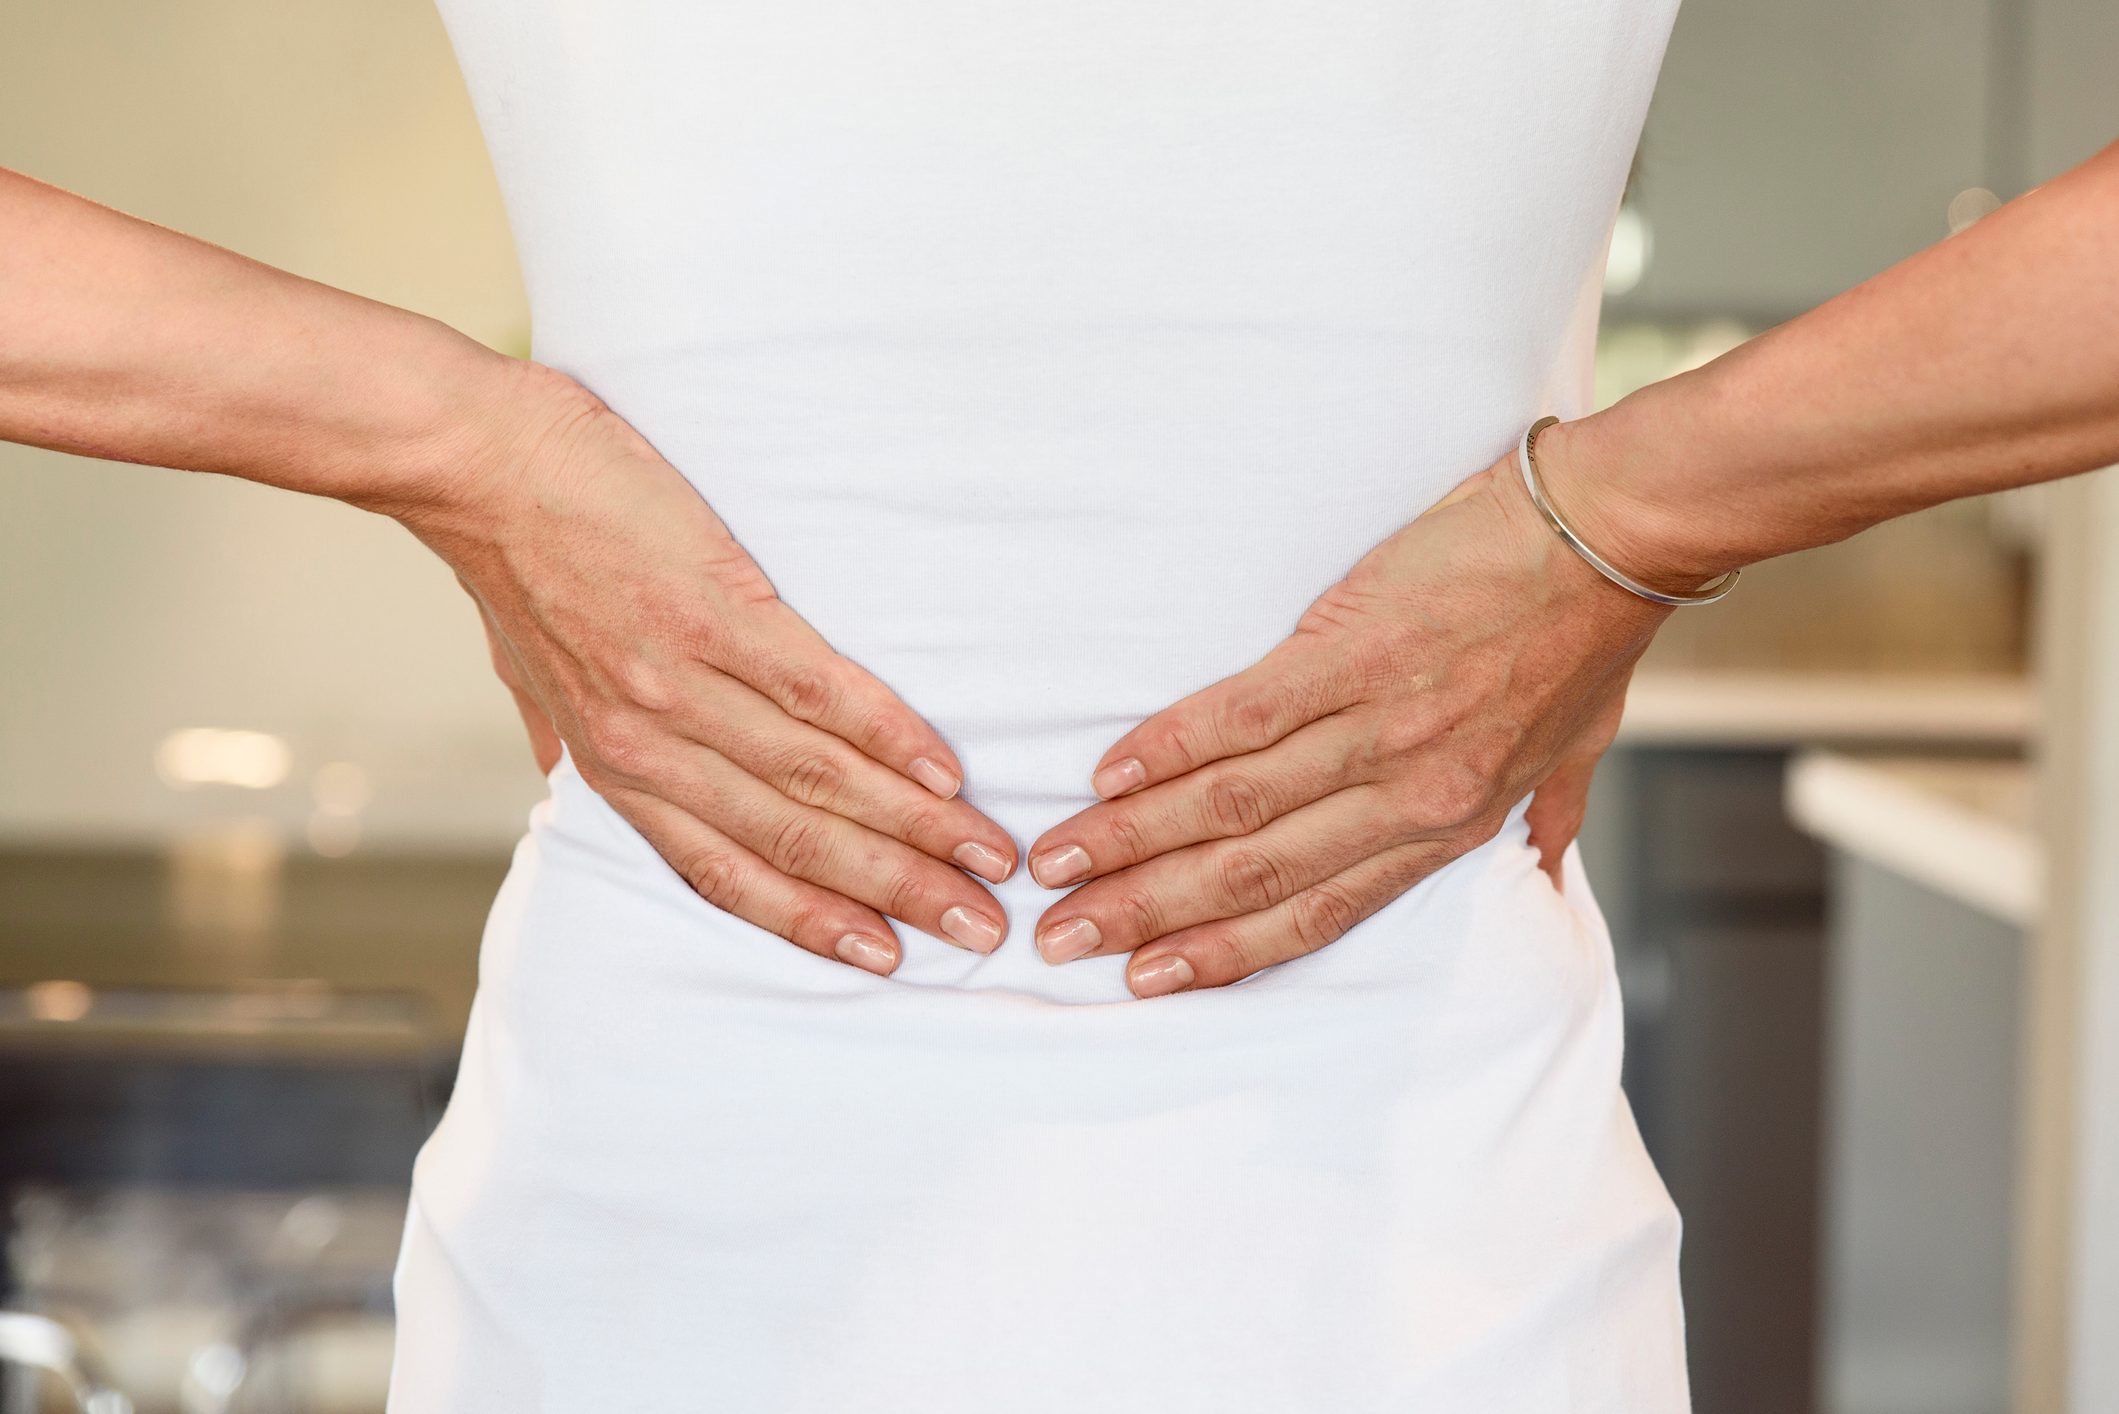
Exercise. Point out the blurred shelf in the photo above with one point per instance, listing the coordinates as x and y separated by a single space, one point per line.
307 1018
1730 707
1960 827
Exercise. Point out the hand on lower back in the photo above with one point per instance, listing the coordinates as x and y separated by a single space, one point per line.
1468 660
784 783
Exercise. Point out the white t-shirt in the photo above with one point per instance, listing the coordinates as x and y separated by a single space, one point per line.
1050 356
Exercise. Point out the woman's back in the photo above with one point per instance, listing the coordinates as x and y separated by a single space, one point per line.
1050 357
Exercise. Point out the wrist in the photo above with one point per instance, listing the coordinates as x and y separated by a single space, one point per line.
1614 483
488 415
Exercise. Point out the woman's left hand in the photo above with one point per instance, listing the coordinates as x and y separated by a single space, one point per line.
1466 661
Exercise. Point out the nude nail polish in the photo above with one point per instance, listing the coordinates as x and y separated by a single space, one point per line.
1160 977
868 954
974 931
936 778
1064 942
1118 778
990 865
1056 868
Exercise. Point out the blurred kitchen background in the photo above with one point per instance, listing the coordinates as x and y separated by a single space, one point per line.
258 784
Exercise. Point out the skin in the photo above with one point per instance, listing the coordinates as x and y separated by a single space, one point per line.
1471 659
1468 660
1464 661
783 782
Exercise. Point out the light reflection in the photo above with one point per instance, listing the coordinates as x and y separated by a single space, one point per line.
196 756
58 1001
1707 342
341 788
1631 245
334 836
1970 205
224 882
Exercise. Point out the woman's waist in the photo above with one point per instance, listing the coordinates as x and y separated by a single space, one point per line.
1061 429
1487 934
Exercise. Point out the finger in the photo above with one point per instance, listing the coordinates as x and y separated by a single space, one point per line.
1221 879
810 682
1216 954
737 881
1294 684
1234 796
810 765
833 852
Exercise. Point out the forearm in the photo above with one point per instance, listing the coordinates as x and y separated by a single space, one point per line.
1987 361
123 340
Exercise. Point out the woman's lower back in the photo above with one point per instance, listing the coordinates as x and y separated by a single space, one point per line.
1050 359
688 1165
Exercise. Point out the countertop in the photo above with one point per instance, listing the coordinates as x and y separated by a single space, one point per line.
1781 708
1961 826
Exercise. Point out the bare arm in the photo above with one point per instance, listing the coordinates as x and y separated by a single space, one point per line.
1987 361
1471 659
786 784
127 341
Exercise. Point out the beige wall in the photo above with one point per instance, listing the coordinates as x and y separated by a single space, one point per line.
333 137
334 140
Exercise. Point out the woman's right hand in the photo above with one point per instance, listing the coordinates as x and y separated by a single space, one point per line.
787 785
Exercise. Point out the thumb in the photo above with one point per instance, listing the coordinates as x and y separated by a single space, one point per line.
1556 811
544 739
1558 806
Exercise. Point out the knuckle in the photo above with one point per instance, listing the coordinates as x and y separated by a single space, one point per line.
815 778
1402 733
808 692
1236 804
645 685
902 888
615 737
701 634
1322 915
1489 754
798 846
874 721
712 873
1181 739
930 822
1252 879
1232 953
1138 911
1255 715
1123 828
1451 797
812 920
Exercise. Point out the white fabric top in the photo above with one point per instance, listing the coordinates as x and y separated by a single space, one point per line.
1050 357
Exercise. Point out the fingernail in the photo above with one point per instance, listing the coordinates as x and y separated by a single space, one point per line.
972 930
938 779
1077 937
988 864
1118 778
1057 867
1162 976
868 954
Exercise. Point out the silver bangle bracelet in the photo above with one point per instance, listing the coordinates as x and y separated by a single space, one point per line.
1707 593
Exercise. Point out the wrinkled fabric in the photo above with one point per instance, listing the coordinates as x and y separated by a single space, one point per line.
1050 357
